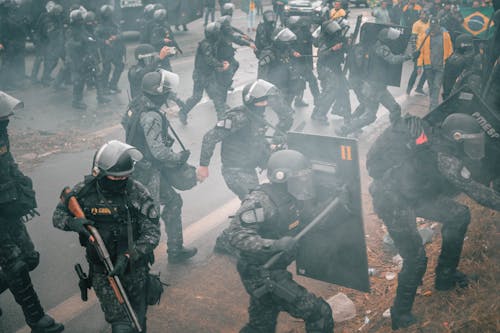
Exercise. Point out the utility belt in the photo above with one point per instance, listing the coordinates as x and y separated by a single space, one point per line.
273 284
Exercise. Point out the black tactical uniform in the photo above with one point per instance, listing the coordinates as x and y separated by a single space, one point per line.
146 127
262 227
302 29
278 65
112 49
147 22
334 86
264 35
17 253
162 36
374 88
83 60
49 36
206 65
417 172
124 214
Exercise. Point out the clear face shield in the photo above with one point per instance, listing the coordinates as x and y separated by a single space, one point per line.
148 58
169 82
109 154
301 185
474 144
393 34
285 36
8 105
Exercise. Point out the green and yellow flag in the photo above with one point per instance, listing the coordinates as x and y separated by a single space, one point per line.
476 21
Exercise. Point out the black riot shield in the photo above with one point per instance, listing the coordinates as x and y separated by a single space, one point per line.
392 72
183 11
335 250
468 102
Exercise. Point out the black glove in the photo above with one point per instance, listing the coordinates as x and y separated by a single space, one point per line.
415 55
184 156
120 265
284 244
79 225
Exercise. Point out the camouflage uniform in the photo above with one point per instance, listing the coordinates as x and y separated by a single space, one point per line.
110 213
281 216
422 181
148 131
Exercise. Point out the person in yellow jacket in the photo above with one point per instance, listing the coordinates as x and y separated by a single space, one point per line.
419 28
337 11
436 48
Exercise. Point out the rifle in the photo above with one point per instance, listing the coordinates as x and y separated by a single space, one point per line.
96 240
244 35
84 282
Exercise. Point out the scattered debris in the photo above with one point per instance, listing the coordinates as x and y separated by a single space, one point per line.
427 293
387 313
342 307
366 322
390 276
398 261
372 271
426 234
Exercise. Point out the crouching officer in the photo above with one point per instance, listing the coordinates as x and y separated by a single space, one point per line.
420 176
262 227
124 213
17 253
147 128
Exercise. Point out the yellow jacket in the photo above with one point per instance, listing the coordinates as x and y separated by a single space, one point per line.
335 14
425 52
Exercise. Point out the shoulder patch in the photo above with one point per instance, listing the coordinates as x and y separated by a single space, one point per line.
252 216
225 123
465 173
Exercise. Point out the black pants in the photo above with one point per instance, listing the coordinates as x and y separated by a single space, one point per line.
214 91
413 78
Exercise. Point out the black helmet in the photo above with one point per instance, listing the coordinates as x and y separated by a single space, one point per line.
53 8
159 82
227 9
106 11
90 17
258 91
146 53
160 14
331 28
149 10
284 37
464 130
76 16
464 43
8 105
294 169
269 17
212 31
388 34
225 21
115 158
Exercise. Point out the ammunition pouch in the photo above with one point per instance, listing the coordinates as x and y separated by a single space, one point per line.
17 197
154 289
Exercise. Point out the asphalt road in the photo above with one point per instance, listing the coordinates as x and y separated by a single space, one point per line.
205 207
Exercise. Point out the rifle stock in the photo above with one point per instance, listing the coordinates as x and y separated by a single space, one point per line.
114 281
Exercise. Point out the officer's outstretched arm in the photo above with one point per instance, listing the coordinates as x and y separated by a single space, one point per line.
455 172
385 53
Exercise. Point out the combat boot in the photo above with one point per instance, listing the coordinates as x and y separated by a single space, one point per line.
322 120
401 320
181 254
449 278
79 105
46 325
299 102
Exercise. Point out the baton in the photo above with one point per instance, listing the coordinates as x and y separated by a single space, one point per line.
319 218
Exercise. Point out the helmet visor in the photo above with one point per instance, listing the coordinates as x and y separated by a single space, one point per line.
474 145
8 104
285 35
148 58
109 154
393 34
261 89
301 185
169 81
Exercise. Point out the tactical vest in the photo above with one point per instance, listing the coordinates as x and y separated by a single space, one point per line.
377 65
110 213
288 220
246 148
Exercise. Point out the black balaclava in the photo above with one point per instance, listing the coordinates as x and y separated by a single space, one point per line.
112 186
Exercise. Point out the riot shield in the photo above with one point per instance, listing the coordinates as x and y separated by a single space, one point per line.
183 11
335 250
369 34
467 101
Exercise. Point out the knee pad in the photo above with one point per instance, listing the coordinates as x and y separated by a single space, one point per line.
32 260
15 269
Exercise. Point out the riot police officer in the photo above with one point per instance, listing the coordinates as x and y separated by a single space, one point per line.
264 34
417 171
146 22
17 253
334 87
146 127
83 60
302 29
112 49
162 37
262 227
124 214
278 67
206 65
374 87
